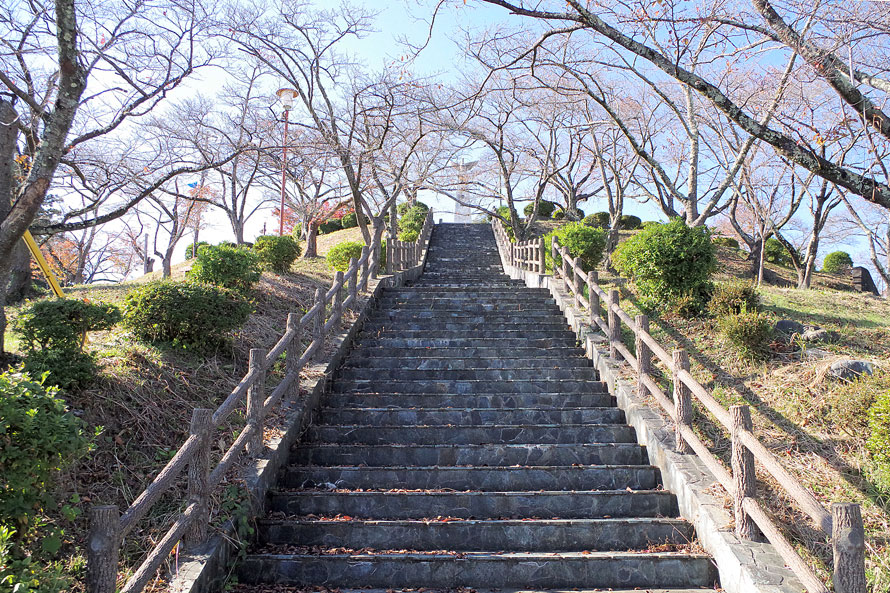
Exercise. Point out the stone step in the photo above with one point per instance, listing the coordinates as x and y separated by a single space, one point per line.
479 505
469 416
472 308
554 401
461 387
490 455
261 588
420 362
440 292
469 298
402 374
542 535
483 354
434 327
474 434
565 341
461 316
498 569
489 479
504 336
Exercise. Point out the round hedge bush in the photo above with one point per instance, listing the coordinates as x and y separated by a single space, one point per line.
749 333
775 253
340 254
629 222
404 207
725 241
227 266
545 209
837 261
597 220
411 222
192 248
349 220
583 242
559 215
187 315
669 263
330 226
276 253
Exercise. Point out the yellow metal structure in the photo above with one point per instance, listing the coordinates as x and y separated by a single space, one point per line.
41 262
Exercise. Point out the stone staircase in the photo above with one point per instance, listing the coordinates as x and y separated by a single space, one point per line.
468 443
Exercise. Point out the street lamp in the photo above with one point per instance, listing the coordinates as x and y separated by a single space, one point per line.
286 96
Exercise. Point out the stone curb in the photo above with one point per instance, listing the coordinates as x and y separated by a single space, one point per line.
205 569
744 567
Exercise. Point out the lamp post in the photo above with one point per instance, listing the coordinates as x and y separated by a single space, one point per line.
286 96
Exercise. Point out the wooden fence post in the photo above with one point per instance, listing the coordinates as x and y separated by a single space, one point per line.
352 270
614 324
848 546
682 400
595 308
553 255
366 259
256 395
337 309
294 351
644 355
542 259
566 278
318 323
743 475
199 477
390 248
103 550
579 291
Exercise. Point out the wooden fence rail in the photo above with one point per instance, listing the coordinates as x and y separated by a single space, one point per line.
108 526
842 525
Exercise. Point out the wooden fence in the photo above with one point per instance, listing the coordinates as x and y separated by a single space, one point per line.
842 525
108 527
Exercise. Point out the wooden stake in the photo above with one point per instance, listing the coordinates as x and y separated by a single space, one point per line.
848 545
199 476
643 353
256 395
682 400
743 474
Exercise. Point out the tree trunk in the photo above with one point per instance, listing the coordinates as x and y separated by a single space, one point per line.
19 274
238 229
311 240
8 133
166 263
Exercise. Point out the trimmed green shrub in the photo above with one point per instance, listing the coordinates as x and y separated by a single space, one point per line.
411 222
629 222
229 267
668 262
53 333
775 253
297 231
545 209
583 242
330 226
22 571
722 241
731 298
650 223
402 208
339 255
559 215
187 315
598 220
837 261
276 253
504 212
750 333
192 248
59 324
349 220
39 438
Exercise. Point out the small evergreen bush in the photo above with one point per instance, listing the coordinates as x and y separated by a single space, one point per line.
583 242
749 332
53 332
187 315
650 223
297 232
725 241
837 261
339 255
411 222
629 222
878 443
775 253
330 226
669 262
192 249
559 215
349 220
229 267
39 437
731 298
276 253
404 207
545 209
598 220
504 212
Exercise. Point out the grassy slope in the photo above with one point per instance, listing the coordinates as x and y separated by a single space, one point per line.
144 397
